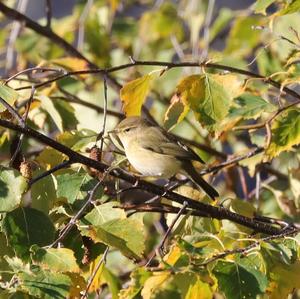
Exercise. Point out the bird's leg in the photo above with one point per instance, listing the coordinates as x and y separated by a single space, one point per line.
160 249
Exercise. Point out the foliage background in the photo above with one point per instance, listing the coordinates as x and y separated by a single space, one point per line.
225 81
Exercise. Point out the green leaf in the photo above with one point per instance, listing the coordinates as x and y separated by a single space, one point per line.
134 93
12 186
285 132
75 186
25 227
48 106
67 113
291 7
110 226
243 37
223 18
250 106
157 25
209 96
45 284
261 6
127 235
104 213
237 281
43 193
8 94
54 259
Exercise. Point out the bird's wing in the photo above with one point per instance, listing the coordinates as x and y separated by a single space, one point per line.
161 142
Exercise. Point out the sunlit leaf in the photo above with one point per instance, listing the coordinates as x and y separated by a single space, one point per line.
54 259
249 106
12 186
127 235
8 94
285 132
154 284
134 93
209 96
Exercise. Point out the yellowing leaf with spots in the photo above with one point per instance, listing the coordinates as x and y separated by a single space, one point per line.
209 96
134 93
285 132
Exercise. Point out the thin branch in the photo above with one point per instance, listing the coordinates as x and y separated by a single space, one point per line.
57 167
170 65
232 161
13 112
16 28
160 247
246 249
18 147
32 69
212 211
73 220
48 9
100 135
91 279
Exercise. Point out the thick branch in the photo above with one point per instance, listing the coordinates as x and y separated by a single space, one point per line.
214 212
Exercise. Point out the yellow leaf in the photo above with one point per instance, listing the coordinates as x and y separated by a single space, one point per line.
154 284
7 94
285 280
134 93
199 290
176 112
285 132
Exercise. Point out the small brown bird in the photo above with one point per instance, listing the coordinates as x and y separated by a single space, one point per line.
153 152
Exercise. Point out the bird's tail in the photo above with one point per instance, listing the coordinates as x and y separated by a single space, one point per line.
197 179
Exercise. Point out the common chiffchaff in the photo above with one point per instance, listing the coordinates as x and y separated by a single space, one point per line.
153 152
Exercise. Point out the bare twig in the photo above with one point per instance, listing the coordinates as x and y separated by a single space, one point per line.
246 249
57 167
100 135
92 277
16 27
48 9
17 150
160 247
32 69
73 220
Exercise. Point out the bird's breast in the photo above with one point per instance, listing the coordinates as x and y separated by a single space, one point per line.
150 163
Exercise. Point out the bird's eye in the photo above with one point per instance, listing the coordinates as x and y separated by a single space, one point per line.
127 130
